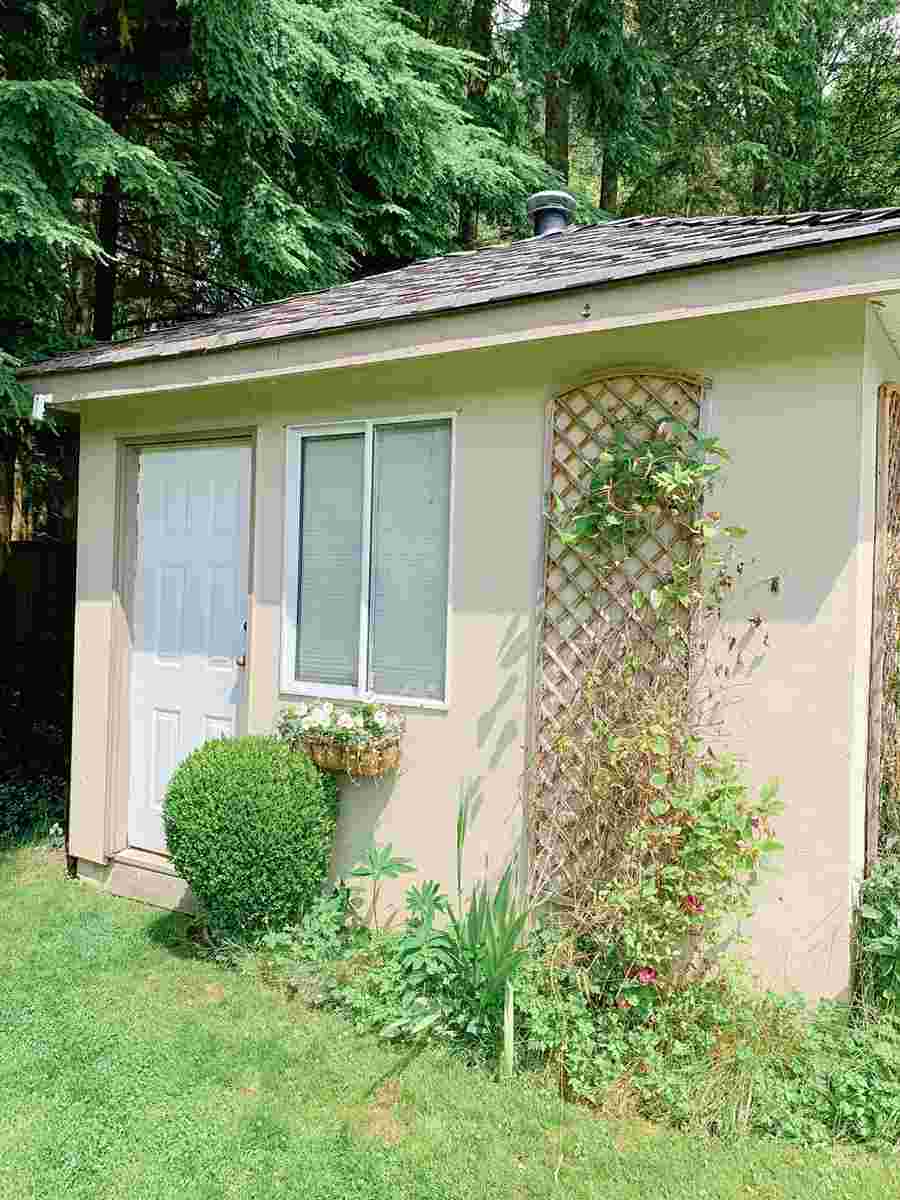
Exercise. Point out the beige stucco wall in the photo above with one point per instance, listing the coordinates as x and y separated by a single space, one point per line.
790 397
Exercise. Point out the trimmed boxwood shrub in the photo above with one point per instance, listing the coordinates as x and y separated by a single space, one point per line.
250 825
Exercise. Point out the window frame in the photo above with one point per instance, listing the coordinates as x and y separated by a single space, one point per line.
290 599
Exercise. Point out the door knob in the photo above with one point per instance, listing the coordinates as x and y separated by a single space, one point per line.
241 661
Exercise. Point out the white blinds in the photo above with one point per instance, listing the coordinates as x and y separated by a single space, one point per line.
410 558
331 567
367 574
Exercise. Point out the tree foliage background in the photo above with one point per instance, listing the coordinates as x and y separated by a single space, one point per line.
168 159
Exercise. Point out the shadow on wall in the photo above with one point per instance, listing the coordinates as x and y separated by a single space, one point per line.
369 799
495 737
496 734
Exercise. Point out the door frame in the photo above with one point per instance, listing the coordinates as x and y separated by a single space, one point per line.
128 449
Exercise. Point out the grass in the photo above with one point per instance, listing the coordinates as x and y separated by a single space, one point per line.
129 1068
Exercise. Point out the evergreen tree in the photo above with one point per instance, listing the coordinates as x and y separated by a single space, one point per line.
214 152
167 159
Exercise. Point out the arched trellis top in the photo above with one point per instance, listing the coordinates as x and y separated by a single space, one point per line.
585 600
629 399
631 370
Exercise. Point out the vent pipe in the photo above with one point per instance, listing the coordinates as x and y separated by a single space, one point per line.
550 211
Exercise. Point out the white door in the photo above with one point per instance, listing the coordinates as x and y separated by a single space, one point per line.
190 616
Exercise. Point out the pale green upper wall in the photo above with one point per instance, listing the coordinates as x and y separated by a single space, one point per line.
786 398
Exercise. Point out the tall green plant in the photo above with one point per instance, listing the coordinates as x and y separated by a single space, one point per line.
380 864
483 946
460 975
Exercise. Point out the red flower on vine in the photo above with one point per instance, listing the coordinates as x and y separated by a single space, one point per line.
646 976
692 905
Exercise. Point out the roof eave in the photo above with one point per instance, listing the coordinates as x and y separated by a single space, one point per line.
725 258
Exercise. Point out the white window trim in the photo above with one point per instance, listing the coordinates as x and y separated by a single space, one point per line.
290 686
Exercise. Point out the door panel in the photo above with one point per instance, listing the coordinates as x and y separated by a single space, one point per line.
190 615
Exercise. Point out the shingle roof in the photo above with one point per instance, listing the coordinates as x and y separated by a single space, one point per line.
578 256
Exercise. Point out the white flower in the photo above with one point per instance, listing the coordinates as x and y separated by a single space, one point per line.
302 710
319 716
309 722
345 721
359 721
380 717
328 707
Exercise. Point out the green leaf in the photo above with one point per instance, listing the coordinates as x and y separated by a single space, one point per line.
769 846
659 808
659 779
769 791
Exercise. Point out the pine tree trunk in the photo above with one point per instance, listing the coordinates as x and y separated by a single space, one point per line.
609 184
481 40
21 514
609 178
481 35
557 93
468 223
557 102
7 495
80 301
105 271
760 188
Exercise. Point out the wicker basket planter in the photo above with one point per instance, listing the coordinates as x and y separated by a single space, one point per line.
367 762
362 740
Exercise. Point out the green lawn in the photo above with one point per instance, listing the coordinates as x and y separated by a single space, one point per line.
129 1069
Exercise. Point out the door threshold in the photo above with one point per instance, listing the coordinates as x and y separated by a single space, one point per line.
147 876
149 860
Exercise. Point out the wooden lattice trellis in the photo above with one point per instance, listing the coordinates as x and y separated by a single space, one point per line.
884 746
588 602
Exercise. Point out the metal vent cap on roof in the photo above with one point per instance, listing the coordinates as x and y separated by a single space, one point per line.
550 211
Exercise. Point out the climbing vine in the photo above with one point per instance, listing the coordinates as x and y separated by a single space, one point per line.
632 485
649 835
633 488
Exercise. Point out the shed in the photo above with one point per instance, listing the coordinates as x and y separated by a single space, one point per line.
343 495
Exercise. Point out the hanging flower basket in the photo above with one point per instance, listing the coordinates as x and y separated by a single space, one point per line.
367 761
363 741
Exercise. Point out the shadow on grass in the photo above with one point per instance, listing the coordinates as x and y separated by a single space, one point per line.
181 934
185 936
393 1072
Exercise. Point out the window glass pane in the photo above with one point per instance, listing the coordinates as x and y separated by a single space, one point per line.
330 559
410 552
